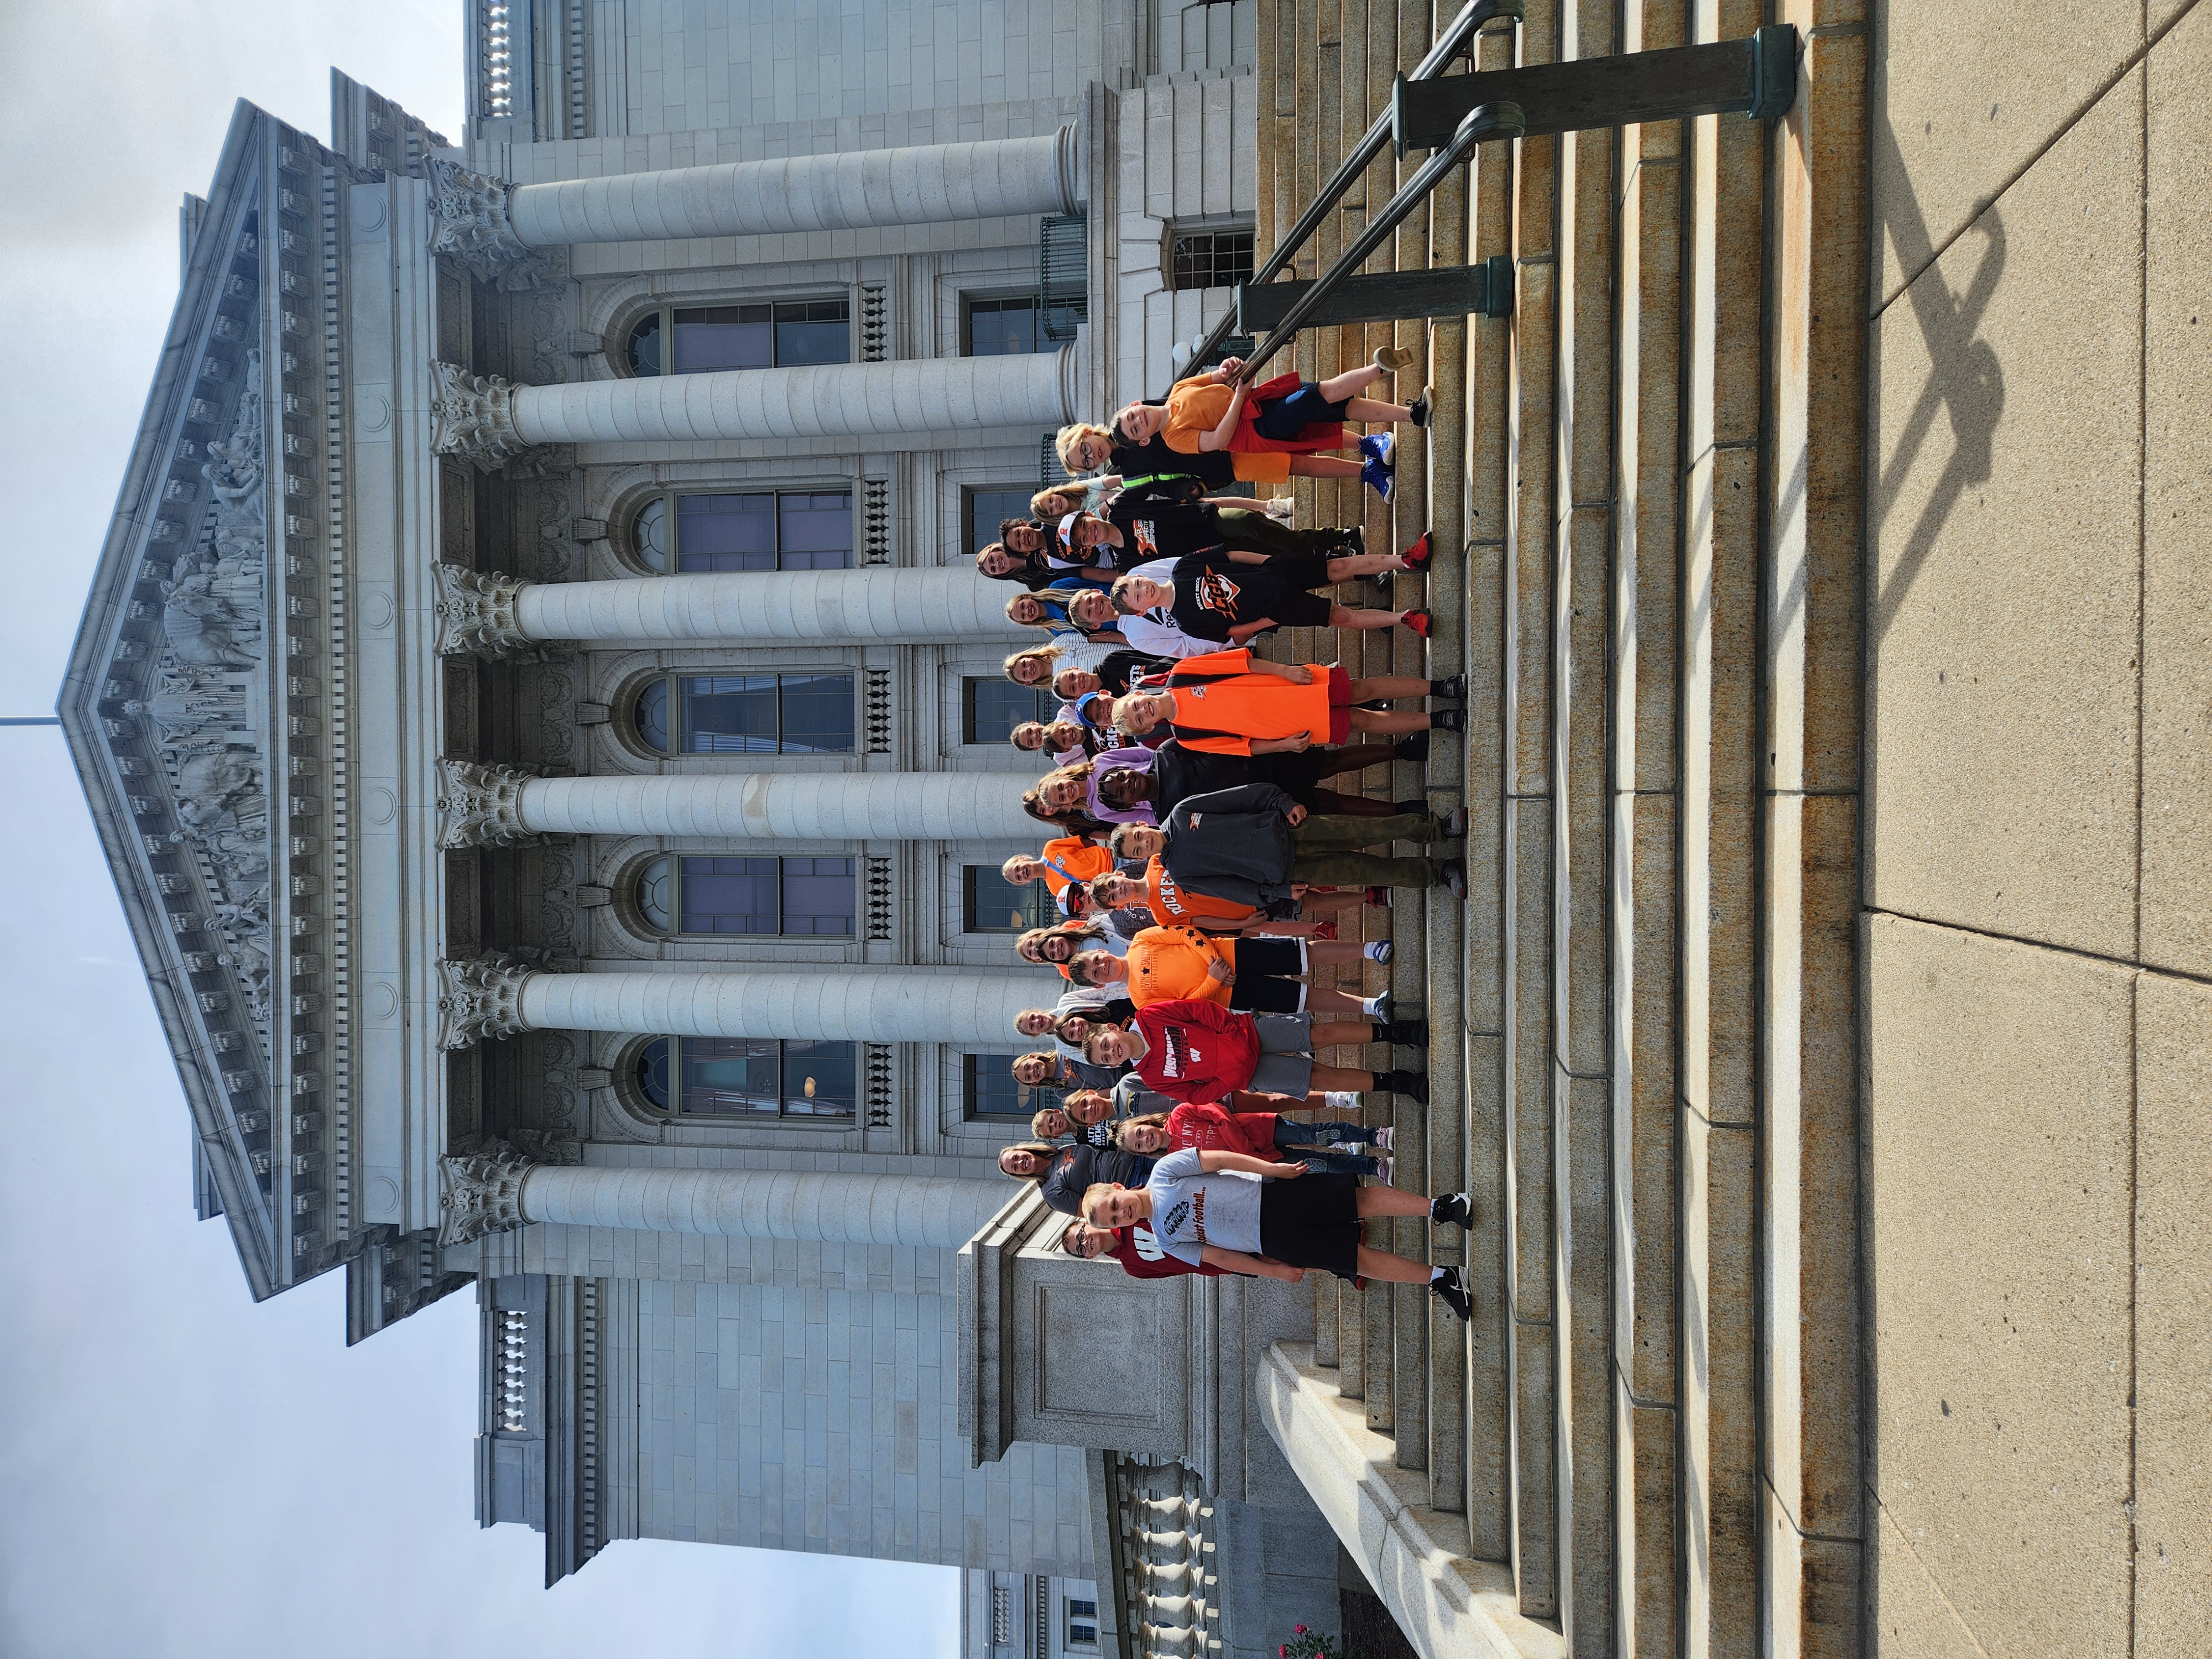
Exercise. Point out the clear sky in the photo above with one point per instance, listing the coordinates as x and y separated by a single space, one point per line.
185 1474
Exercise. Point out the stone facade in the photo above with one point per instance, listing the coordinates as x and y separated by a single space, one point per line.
364 702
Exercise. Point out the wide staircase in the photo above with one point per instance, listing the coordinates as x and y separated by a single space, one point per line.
1646 1441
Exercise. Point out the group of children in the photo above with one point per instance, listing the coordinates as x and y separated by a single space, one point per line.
1200 863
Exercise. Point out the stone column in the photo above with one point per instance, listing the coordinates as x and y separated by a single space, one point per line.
503 806
496 1188
494 996
496 227
494 616
899 405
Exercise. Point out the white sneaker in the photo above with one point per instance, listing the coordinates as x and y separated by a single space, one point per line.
1387 1173
1386 1139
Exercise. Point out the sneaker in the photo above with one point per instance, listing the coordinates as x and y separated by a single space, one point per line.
1412 1033
1419 409
1377 477
1383 1014
1381 582
1324 930
1451 1290
1456 1207
1378 446
1448 720
1455 877
1414 748
1414 1085
1416 621
1352 543
1386 1139
1379 950
1379 898
1417 556
1386 1172
1392 359
1453 825
1455 688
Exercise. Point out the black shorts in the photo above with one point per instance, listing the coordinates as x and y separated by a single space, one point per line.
1286 419
1301 610
1298 776
1312 1222
1264 982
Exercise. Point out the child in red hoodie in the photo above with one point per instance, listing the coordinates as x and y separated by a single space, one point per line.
1256 1134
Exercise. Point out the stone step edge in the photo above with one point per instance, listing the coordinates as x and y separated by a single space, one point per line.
1449 1606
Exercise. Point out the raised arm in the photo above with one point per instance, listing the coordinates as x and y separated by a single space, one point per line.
1233 418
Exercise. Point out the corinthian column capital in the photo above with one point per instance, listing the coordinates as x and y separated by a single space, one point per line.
481 806
480 1192
480 999
471 222
473 415
477 613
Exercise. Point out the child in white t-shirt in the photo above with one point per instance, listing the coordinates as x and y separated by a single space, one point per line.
1244 1215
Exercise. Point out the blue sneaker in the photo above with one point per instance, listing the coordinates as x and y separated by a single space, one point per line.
1377 477
1378 446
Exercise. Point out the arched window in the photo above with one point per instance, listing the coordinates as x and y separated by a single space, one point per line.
771 897
786 334
750 1077
746 714
787 530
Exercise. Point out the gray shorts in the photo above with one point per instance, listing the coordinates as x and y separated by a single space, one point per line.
1286 1064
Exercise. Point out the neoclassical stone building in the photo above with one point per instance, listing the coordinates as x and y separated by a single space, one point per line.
551 743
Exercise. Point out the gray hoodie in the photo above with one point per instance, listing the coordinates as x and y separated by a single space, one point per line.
1235 844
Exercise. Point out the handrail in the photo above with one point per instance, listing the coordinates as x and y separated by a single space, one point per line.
1485 121
1452 41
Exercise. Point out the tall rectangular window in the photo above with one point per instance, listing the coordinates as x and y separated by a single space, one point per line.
1209 258
792 898
991 709
810 529
986 509
990 1091
989 906
786 334
1003 328
765 714
751 1076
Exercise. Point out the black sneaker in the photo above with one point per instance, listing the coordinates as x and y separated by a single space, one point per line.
1413 1033
1414 1085
1454 1207
1414 748
1418 410
1455 687
1451 1290
1448 720
1455 876
1383 581
1353 541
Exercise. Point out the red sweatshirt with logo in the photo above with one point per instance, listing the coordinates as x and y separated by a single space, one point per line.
1141 1257
1198 1050
1213 1129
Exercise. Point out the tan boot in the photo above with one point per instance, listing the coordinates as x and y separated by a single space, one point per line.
1391 359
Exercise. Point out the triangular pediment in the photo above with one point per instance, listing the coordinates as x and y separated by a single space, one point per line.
176 703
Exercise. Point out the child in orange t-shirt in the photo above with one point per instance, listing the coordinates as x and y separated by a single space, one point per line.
1251 975
1231 702
1207 412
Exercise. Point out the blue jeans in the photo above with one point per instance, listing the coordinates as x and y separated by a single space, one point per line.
1328 1135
